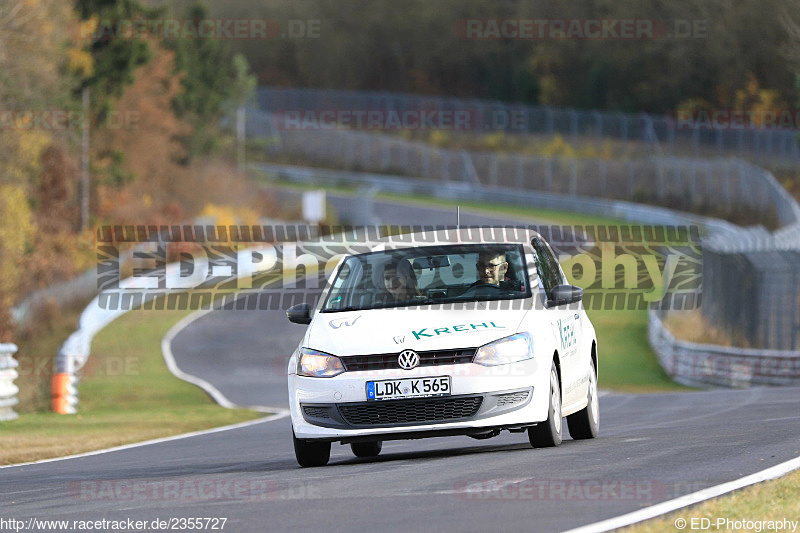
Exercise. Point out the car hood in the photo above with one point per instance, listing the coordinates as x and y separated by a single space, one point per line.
393 330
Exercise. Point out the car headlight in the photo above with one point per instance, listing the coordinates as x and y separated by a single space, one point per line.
316 364
509 350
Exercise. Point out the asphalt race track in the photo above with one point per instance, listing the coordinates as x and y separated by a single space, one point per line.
651 448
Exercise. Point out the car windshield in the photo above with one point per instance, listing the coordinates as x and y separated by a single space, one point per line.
429 275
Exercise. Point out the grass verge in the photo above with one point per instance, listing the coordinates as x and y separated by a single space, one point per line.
126 395
774 500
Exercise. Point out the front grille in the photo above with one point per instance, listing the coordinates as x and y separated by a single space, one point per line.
356 363
426 410
512 398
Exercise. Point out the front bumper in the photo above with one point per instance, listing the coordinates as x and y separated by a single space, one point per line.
506 396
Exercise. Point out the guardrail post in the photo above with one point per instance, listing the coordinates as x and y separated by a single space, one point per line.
8 373
64 392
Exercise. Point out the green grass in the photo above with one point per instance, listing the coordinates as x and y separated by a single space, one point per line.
128 395
771 500
627 363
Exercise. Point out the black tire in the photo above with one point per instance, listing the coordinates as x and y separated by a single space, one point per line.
310 453
585 424
366 449
549 433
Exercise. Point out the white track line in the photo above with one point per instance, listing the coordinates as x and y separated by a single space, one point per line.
216 394
166 350
691 499
154 441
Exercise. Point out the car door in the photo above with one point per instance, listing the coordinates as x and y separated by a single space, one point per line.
565 323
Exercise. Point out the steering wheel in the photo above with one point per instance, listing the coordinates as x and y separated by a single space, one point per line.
481 289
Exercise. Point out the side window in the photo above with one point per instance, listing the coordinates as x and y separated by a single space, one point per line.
544 264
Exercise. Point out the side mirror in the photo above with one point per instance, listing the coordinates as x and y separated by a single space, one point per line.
299 314
564 295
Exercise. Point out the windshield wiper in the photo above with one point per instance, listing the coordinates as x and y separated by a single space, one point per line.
349 308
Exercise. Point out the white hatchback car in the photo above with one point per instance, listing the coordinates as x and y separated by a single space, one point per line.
459 332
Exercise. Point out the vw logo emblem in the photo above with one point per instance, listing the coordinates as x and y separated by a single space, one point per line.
408 359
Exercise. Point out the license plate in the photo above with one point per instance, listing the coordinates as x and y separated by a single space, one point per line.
393 389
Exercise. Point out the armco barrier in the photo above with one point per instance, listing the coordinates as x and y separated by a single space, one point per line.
709 364
8 390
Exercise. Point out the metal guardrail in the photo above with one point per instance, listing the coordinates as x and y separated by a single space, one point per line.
722 184
727 366
530 198
660 135
8 390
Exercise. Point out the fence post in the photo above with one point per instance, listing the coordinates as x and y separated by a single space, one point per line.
631 179
548 113
8 373
598 127
623 121
573 178
573 126
63 391
660 178
445 168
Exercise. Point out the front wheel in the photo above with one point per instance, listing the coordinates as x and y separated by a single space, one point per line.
310 453
548 433
366 449
585 424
